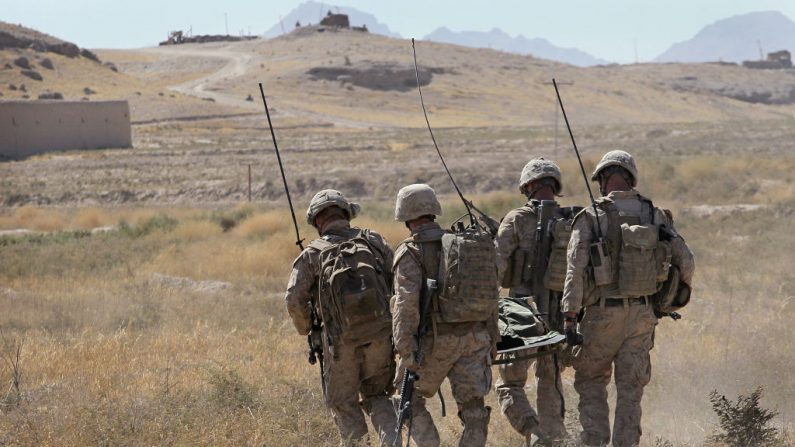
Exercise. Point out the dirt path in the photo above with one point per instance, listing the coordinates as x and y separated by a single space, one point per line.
237 65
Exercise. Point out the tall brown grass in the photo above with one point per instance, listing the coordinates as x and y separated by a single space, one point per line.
112 356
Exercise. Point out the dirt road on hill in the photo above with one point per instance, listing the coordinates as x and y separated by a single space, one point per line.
236 65
239 63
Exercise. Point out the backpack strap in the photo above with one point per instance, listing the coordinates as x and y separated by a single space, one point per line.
320 244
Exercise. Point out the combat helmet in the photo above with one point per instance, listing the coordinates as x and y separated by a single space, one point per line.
327 198
416 200
617 158
539 168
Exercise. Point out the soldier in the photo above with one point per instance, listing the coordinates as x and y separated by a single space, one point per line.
459 351
359 361
616 261
516 257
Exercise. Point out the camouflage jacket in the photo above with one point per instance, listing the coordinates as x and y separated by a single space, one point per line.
409 276
517 232
583 234
301 292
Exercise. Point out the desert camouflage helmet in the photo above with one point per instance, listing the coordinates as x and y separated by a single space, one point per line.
537 169
416 200
327 198
617 158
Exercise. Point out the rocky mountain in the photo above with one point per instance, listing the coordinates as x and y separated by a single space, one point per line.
312 12
736 39
500 40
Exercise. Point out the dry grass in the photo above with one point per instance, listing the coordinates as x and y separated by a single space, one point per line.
112 356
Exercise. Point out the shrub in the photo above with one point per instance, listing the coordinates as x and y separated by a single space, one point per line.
32 74
161 223
743 423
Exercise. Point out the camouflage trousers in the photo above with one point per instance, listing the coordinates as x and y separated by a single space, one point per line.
360 379
548 424
465 360
615 337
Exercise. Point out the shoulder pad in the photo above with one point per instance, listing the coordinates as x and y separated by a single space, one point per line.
518 213
304 254
582 212
401 250
525 209
319 244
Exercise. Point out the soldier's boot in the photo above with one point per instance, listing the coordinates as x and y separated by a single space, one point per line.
475 417
423 430
517 409
351 424
382 415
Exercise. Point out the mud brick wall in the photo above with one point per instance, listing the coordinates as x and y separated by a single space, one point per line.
32 127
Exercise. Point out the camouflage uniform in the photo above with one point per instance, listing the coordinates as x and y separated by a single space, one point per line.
618 329
357 377
517 231
458 351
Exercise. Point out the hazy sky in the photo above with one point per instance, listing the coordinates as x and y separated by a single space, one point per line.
610 29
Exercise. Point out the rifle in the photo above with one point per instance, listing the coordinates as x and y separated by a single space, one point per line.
314 339
546 212
483 220
410 377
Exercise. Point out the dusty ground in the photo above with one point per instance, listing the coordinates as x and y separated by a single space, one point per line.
163 329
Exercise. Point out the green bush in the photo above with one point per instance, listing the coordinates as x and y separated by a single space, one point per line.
743 422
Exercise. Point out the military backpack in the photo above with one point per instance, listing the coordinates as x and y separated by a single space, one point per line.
353 288
468 284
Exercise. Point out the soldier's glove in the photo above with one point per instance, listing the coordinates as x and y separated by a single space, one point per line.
573 338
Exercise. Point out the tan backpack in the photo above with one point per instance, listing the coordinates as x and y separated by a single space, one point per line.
468 284
353 289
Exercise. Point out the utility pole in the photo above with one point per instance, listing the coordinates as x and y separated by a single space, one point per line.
557 109
249 183
226 23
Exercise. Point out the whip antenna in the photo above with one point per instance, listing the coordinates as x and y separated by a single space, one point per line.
467 204
298 240
579 159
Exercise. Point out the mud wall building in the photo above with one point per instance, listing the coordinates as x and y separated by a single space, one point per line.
32 127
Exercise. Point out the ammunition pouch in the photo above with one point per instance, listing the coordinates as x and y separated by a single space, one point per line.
637 272
555 275
518 271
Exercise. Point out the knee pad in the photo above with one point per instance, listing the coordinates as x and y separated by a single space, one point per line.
474 410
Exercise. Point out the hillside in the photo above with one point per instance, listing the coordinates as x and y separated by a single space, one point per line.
35 65
736 39
359 79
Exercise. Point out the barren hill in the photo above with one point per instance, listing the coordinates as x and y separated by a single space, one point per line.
363 80
35 65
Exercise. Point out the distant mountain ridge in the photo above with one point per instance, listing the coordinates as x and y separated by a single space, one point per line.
500 40
312 12
736 39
